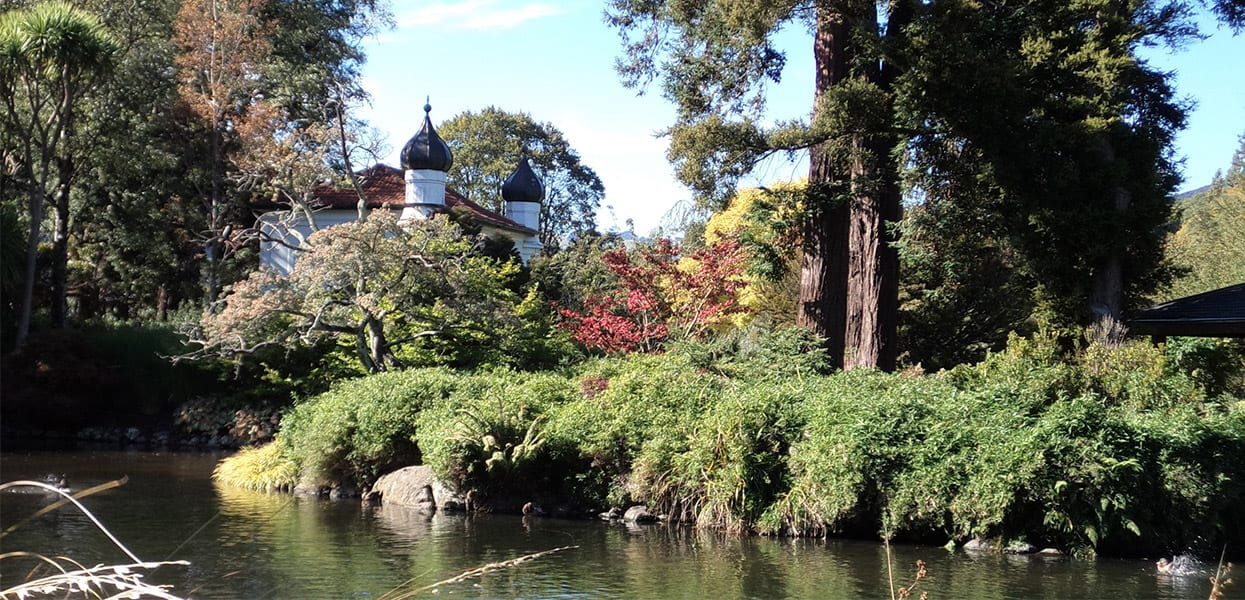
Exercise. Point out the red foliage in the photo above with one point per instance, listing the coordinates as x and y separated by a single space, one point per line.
655 298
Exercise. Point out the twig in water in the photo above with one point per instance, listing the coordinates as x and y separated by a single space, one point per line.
470 573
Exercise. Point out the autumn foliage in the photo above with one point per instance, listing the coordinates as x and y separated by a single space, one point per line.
659 295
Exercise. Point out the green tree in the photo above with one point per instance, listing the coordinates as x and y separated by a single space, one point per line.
1209 247
50 57
488 144
715 60
376 285
1067 133
1050 110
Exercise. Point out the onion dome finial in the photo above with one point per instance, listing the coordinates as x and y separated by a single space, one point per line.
427 151
523 185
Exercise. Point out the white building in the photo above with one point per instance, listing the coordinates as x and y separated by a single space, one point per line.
418 191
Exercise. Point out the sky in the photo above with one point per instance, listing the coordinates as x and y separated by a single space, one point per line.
555 61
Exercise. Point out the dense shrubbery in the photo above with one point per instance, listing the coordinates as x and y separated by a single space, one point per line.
1114 450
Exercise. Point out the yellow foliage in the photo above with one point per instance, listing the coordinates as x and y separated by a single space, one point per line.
260 468
775 299
738 214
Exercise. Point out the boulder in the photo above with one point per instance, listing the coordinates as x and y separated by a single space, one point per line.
612 514
980 545
1020 548
416 487
1050 552
638 514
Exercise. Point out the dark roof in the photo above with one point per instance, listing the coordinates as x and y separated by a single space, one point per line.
1217 313
427 151
523 185
385 187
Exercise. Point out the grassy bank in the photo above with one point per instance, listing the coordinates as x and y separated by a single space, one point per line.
1113 451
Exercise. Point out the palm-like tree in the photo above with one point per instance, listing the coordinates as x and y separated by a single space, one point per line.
50 56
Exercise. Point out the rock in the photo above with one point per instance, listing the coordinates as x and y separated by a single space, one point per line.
1020 548
638 514
417 487
980 545
343 491
612 514
1050 552
311 490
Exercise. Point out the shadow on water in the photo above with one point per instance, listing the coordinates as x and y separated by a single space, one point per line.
244 544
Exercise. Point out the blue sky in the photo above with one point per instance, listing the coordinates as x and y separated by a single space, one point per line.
555 60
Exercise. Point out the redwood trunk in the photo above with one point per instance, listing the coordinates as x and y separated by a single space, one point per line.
823 269
873 277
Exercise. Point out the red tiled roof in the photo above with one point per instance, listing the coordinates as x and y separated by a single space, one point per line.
385 186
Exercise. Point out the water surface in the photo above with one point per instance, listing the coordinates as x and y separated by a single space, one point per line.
248 545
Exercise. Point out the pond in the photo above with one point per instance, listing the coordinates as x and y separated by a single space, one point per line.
248 545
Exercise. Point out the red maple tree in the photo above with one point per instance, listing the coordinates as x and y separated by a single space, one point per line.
660 294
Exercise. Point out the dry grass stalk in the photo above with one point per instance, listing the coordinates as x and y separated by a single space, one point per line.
397 594
1221 579
63 501
100 581
905 592
70 578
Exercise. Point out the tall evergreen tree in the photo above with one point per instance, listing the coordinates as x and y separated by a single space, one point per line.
715 60
1038 116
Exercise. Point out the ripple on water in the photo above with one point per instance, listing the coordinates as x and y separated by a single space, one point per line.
248 545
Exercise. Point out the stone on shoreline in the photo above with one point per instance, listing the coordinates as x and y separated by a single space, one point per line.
638 514
417 487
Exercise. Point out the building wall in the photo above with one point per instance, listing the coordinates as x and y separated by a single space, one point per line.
293 232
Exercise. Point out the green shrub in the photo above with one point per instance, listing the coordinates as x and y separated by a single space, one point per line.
491 437
725 465
1215 364
624 404
1107 450
363 427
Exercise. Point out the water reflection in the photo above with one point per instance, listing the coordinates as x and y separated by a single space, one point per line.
244 544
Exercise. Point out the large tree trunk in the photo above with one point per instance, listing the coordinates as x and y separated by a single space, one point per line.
34 198
823 270
1106 299
873 277
60 240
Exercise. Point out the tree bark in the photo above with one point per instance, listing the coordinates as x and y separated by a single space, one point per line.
60 239
873 275
823 269
35 200
1106 300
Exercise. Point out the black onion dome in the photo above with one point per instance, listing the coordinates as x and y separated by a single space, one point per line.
523 185
427 151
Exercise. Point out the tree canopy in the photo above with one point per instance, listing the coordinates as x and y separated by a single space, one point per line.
378 285
488 144
51 55
1040 114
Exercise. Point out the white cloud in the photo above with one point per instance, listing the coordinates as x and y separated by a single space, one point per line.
475 14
